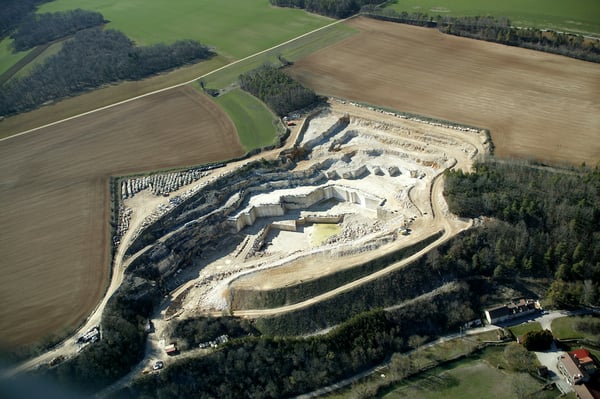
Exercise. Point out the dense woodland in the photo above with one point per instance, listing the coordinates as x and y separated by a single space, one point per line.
330 8
92 58
277 367
280 92
13 12
498 30
546 224
270 367
191 332
36 29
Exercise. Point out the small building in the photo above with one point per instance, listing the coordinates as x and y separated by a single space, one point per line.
171 350
584 360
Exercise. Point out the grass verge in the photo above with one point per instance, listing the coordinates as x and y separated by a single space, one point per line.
572 16
40 59
292 51
220 79
254 122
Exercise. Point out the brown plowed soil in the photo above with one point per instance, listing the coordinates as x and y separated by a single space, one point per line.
537 105
55 200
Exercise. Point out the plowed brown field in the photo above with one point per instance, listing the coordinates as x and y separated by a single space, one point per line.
536 105
55 200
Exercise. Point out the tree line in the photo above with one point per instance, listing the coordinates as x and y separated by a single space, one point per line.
271 367
280 92
13 11
92 58
36 29
279 367
497 30
330 8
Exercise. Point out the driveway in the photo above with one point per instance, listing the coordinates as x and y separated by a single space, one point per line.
549 359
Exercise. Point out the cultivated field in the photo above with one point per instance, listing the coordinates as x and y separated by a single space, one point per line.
236 28
55 212
104 96
575 15
536 105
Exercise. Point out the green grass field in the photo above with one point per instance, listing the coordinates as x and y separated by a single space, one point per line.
475 379
573 15
562 328
50 51
291 51
7 57
236 28
526 327
254 122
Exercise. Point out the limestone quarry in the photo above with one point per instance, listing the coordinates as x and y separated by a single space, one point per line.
353 183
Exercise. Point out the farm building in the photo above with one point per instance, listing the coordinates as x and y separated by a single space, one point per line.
511 310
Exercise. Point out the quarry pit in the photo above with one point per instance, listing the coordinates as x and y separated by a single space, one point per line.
354 183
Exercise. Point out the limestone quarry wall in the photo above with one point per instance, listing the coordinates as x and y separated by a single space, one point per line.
308 219
336 127
303 201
